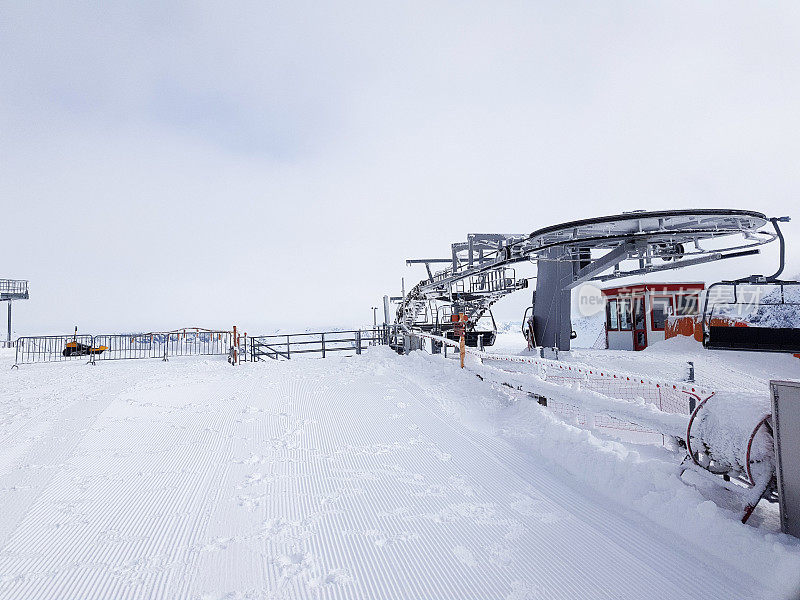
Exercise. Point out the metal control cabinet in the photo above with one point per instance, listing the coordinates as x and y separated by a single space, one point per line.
786 419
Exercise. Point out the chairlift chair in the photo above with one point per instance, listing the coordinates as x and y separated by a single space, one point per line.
754 314
482 334
760 313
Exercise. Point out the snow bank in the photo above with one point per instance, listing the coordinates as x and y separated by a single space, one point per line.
375 476
650 486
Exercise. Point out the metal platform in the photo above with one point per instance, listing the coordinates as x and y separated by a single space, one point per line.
13 289
10 290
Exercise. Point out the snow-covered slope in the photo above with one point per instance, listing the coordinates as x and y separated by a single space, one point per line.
377 476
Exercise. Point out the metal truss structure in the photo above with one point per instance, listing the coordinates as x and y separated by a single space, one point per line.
479 271
10 290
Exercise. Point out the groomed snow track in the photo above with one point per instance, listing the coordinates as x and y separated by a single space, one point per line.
377 476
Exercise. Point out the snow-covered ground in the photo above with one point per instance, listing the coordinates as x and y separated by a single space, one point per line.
379 476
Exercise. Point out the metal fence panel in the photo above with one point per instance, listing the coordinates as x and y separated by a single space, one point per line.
198 343
54 348
163 344
119 347
160 344
320 344
195 342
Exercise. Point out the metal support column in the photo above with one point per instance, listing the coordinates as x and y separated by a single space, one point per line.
387 319
786 435
552 302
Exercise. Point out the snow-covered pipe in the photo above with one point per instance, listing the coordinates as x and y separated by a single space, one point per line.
730 433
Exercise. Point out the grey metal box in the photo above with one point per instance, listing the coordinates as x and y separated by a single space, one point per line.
786 419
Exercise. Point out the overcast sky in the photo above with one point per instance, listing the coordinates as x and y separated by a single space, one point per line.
168 164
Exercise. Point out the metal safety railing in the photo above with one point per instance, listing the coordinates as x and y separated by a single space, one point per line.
13 289
53 348
320 344
195 341
92 348
185 342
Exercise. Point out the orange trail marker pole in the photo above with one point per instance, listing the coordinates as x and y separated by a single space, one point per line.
234 345
462 329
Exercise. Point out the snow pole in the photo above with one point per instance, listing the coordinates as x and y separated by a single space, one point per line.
234 356
460 330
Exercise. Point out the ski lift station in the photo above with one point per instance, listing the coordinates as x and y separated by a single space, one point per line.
638 315
432 456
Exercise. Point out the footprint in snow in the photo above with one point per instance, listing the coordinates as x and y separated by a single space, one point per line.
500 555
333 577
484 513
19 578
218 544
524 591
541 510
429 492
253 459
460 485
273 527
250 502
381 539
465 556
399 511
256 478
294 564
338 576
